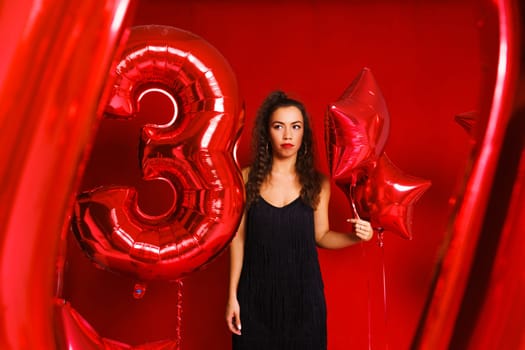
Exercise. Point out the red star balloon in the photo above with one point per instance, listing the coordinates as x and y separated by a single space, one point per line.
356 130
388 196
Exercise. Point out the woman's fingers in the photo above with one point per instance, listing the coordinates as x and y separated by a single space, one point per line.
234 323
238 325
363 229
233 316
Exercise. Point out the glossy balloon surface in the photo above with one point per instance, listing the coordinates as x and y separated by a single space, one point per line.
357 129
192 153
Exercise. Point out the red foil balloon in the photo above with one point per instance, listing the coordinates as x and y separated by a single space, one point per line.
193 153
483 253
81 336
56 55
388 196
357 127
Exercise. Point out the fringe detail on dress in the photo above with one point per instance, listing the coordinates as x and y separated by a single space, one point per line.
281 289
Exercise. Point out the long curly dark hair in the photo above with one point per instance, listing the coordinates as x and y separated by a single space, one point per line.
309 177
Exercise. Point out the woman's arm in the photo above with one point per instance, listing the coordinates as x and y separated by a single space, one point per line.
327 238
233 314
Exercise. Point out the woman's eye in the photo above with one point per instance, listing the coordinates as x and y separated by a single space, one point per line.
277 126
297 127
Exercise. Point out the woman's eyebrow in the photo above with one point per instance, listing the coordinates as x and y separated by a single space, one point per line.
280 122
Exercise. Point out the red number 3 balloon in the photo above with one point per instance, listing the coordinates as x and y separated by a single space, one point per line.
193 153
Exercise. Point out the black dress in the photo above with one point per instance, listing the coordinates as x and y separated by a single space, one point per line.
280 290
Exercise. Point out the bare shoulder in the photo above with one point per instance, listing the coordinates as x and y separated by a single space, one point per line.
325 182
324 195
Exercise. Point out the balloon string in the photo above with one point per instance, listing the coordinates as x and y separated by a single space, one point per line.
369 306
383 268
352 202
363 250
179 314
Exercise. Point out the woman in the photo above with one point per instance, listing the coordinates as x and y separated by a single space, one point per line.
275 280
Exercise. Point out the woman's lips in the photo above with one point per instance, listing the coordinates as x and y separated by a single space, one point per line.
286 145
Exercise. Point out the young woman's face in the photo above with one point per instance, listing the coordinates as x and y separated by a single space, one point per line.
286 131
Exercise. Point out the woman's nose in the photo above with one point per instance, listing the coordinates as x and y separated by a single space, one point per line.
287 134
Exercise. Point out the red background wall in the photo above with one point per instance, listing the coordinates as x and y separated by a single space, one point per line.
425 57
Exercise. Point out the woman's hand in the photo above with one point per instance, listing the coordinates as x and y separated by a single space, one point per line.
363 229
233 316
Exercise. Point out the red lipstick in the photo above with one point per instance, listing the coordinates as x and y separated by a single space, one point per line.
286 145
